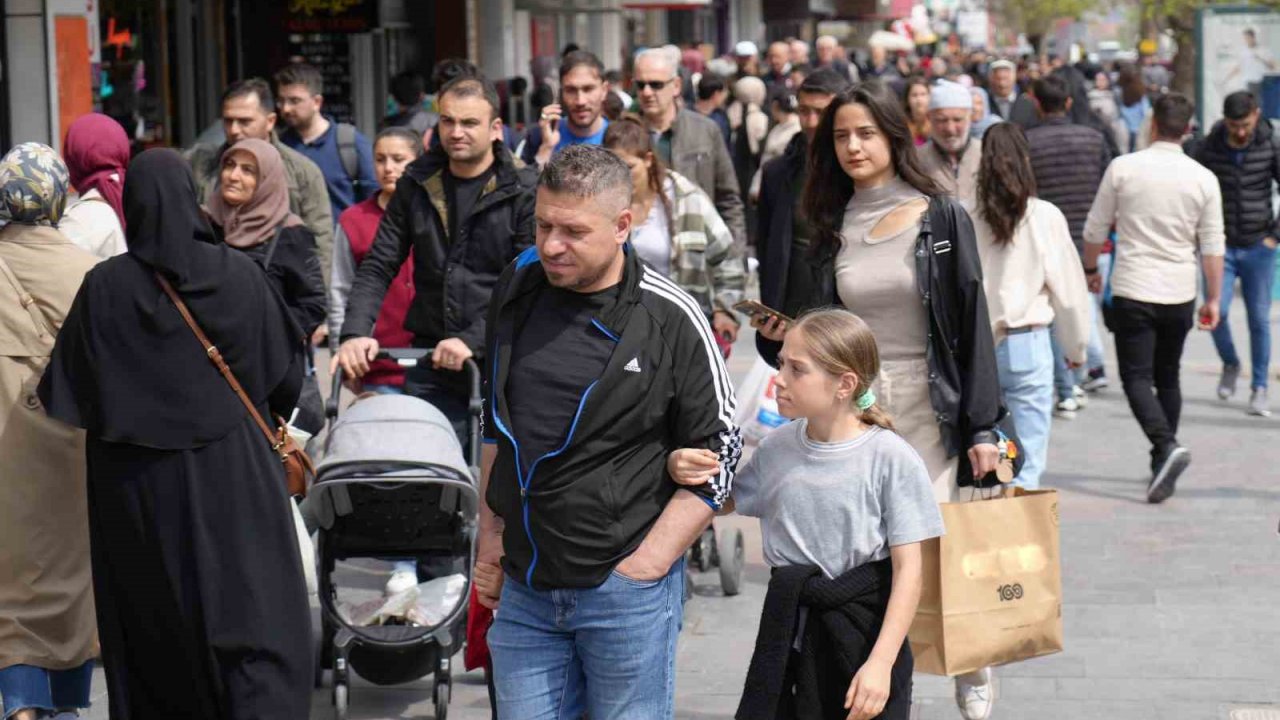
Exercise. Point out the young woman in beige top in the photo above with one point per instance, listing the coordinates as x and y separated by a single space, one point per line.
1033 277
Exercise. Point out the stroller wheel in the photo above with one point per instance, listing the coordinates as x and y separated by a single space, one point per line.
703 549
340 701
442 701
732 556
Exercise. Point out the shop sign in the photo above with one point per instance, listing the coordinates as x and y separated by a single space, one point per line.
331 16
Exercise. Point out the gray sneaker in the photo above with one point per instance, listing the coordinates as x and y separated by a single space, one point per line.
1258 403
1227 383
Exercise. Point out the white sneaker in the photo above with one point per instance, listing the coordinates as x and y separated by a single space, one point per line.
1067 409
1082 397
400 581
975 700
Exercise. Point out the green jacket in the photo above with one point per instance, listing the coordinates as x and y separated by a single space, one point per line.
308 194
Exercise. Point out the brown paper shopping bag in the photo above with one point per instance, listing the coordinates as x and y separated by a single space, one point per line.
992 585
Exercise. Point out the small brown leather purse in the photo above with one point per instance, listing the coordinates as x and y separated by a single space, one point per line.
298 468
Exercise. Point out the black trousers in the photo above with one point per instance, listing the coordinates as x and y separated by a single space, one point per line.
1149 342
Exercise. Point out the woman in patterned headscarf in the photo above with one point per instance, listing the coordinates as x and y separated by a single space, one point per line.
48 636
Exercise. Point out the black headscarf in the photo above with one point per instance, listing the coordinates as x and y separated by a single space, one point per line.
128 369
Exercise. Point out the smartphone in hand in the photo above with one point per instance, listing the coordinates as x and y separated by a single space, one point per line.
759 310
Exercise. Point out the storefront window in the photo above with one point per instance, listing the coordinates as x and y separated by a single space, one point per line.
128 81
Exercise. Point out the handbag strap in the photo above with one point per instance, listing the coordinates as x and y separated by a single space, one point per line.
271 248
27 301
216 358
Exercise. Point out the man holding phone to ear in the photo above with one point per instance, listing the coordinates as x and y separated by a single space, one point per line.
578 119
1166 208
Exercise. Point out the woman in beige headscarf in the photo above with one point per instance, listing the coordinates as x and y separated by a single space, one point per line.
250 210
48 636
749 124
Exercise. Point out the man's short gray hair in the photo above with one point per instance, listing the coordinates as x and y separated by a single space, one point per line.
660 55
588 171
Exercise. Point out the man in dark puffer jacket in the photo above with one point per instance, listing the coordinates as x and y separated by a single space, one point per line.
1069 160
1244 153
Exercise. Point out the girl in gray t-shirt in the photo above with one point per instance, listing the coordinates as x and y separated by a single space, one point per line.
838 488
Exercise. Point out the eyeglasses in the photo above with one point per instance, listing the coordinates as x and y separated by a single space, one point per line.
656 85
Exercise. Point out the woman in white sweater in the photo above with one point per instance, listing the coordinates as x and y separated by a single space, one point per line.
1033 277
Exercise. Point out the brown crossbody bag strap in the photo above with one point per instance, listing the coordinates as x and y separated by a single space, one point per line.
280 441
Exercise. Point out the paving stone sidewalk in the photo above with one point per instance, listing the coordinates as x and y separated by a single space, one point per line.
1171 612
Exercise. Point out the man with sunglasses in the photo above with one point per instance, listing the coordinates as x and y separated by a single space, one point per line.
578 119
685 141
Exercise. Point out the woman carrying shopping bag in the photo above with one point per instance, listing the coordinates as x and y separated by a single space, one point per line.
892 248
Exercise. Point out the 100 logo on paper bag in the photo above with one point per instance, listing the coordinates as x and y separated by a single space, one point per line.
1009 593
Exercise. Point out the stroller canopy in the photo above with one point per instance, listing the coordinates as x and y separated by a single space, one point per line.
390 433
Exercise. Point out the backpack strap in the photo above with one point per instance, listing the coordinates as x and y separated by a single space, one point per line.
347 152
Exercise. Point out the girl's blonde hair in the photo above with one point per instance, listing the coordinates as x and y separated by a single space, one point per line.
840 342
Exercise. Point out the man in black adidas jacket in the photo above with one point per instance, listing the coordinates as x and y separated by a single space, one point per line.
598 367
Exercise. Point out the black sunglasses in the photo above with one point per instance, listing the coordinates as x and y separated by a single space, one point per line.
655 84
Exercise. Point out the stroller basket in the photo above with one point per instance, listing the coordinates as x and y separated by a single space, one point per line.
401 519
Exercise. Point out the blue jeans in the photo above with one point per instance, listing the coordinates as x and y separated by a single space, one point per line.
1025 363
608 652
1255 266
28 687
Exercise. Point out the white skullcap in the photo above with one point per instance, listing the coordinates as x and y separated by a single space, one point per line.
947 95
746 48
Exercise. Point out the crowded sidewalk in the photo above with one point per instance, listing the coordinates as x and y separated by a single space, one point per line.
1168 614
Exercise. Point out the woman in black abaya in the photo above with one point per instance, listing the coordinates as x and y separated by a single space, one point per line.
202 607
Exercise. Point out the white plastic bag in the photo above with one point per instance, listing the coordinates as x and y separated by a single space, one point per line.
306 549
758 404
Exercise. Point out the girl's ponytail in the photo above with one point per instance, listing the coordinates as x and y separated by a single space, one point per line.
876 415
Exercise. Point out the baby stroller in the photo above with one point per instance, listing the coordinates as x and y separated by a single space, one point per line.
393 483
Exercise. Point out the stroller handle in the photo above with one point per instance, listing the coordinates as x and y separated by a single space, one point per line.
409 357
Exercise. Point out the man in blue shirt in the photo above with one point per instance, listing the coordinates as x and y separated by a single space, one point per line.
578 119
344 155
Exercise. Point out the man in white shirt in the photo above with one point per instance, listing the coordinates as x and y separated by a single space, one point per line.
1166 207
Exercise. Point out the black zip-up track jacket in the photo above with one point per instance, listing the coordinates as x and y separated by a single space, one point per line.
584 507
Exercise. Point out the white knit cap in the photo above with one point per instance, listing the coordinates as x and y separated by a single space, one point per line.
947 95
746 48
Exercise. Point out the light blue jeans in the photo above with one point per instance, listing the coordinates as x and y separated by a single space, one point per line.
608 652
1025 362
25 687
1255 266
